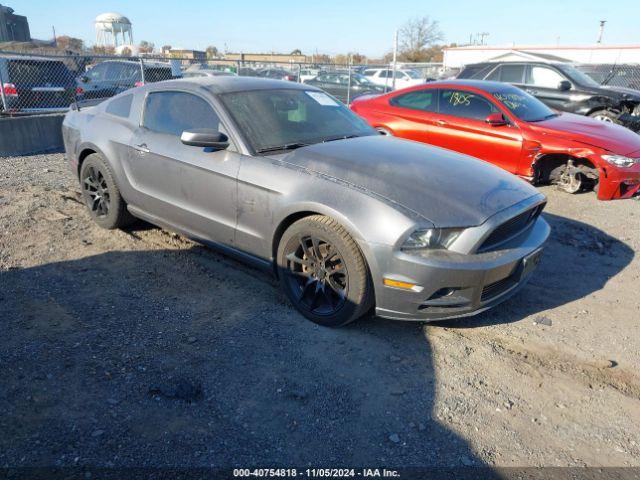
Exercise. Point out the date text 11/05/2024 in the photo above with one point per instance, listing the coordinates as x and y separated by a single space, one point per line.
316 472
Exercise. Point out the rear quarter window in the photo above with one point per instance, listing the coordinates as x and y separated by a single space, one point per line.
120 107
424 100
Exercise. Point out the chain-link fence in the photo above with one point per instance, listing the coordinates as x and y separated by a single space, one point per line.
615 75
50 83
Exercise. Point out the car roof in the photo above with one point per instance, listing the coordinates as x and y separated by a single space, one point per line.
29 57
135 62
229 84
486 85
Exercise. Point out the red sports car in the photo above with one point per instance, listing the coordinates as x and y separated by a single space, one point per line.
506 126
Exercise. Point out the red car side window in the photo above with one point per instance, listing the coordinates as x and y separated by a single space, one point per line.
464 104
423 100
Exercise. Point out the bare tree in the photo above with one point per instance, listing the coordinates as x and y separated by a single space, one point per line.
65 42
146 47
416 36
212 51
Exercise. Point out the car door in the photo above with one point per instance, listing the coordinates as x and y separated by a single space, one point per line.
543 82
192 188
460 126
413 114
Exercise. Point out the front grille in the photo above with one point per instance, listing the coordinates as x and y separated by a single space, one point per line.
496 288
511 228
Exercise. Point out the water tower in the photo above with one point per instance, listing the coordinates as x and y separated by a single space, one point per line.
113 29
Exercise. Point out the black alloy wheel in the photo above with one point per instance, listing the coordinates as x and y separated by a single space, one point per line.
323 272
318 275
101 194
96 192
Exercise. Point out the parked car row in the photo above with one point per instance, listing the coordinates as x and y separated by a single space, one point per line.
285 176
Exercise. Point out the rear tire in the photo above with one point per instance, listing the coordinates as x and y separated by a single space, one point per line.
323 273
101 194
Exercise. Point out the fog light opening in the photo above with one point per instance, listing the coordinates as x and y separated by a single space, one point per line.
442 293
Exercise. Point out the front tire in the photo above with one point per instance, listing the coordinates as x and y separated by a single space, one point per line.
101 194
323 272
604 116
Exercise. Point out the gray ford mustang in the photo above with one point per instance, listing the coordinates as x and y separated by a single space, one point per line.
284 176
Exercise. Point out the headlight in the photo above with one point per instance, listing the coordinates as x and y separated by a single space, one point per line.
620 160
432 238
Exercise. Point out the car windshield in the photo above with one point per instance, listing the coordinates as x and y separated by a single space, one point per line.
578 76
413 74
361 79
283 119
524 106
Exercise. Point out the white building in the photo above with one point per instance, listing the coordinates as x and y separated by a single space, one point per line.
456 57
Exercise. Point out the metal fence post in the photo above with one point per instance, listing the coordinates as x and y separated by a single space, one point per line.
349 86
238 67
299 73
142 70
5 107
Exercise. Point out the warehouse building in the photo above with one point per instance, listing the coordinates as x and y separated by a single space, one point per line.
456 57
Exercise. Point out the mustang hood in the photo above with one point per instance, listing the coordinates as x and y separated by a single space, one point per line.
606 135
449 189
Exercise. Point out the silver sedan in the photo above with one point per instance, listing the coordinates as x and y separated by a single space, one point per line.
284 176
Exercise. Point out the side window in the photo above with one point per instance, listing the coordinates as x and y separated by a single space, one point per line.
175 112
494 76
97 72
424 100
465 104
544 77
114 70
369 73
120 107
129 72
512 73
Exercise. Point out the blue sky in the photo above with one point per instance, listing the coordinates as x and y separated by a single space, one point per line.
333 26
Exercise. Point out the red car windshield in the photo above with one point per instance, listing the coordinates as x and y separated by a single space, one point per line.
524 106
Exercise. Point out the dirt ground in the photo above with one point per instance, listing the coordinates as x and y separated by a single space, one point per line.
141 348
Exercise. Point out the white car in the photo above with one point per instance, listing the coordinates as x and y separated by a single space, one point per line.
308 74
384 76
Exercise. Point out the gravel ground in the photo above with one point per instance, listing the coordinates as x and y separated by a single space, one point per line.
141 348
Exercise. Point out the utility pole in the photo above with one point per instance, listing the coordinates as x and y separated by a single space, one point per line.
601 32
55 41
395 60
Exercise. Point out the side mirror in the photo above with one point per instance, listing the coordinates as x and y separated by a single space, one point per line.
496 120
205 137
564 85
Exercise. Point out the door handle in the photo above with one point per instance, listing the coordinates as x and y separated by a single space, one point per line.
142 148
532 92
441 122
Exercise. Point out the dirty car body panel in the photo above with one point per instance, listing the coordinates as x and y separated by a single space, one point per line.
381 190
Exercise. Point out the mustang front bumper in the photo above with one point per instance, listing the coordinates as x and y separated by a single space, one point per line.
450 284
